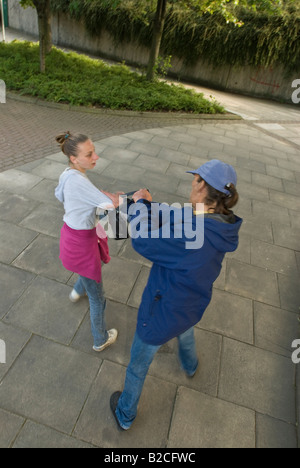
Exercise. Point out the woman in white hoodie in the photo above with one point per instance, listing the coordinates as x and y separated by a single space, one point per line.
81 250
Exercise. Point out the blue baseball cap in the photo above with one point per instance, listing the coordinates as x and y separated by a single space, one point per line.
217 174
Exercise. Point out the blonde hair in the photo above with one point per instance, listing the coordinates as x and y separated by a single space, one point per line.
69 142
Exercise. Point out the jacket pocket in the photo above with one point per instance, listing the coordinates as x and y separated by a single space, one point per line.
155 303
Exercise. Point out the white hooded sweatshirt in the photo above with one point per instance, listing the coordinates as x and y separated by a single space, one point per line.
81 200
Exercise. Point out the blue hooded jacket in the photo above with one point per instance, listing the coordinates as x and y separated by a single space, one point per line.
180 284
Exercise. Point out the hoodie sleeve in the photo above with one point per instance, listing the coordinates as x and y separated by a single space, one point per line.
80 188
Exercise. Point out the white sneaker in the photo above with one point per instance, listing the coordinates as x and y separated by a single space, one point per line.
112 337
74 296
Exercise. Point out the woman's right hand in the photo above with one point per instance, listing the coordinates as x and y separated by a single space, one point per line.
115 198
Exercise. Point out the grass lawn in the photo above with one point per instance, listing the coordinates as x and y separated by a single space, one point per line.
79 80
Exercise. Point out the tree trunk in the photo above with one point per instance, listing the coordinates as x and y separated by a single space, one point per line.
45 33
158 28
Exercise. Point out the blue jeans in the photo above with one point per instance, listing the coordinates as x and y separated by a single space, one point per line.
97 302
142 356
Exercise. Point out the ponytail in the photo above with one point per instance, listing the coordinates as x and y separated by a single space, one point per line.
69 143
224 202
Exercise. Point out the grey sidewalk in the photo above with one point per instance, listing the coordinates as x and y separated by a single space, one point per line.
54 390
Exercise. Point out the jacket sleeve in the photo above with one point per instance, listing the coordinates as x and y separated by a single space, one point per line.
157 234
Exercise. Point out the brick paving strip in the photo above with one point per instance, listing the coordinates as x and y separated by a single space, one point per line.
28 126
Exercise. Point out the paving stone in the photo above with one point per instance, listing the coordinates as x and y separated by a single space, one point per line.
10 425
275 329
44 193
272 433
289 292
13 282
119 279
157 181
149 149
35 435
291 187
280 173
138 136
285 200
174 156
205 422
198 151
96 424
267 181
55 390
180 172
137 292
42 258
58 157
125 172
183 137
166 142
16 181
253 192
120 141
291 241
257 229
252 282
45 309
273 258
49 170
251 165
13 240
15 339
268 211
46 219
247 379
15 207
119 154
152 164
229 315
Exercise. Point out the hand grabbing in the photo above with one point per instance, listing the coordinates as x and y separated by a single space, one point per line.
142 194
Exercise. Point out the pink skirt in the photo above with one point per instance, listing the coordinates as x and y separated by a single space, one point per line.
83 251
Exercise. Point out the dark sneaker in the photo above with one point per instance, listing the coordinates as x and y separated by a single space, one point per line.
114 400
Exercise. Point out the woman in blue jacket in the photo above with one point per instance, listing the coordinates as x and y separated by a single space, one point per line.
180 284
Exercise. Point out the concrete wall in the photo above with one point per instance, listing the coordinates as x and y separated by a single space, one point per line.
255 81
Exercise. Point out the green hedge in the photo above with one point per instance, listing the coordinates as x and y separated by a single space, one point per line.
263 39
79 80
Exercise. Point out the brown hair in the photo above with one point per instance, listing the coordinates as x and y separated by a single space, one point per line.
69 142
224 202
